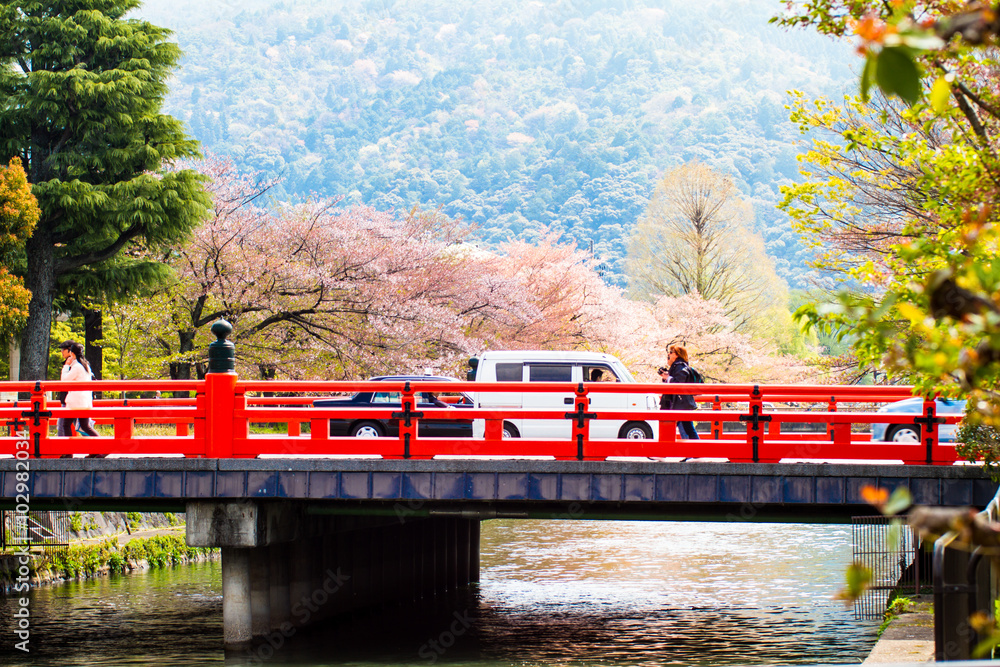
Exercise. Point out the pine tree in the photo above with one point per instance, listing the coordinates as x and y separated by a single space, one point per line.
81 88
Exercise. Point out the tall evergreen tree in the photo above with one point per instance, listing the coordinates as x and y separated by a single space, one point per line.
81 88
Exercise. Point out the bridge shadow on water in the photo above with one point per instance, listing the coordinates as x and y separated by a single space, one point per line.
595 593
581 593
468 628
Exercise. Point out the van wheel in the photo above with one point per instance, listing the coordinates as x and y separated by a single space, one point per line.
510 431
904 434
636 431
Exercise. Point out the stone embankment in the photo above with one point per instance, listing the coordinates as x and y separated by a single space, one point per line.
909 635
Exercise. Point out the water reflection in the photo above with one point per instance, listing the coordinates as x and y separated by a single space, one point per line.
169 617
552 593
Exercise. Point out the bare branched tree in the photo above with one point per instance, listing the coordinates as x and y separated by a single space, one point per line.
695 238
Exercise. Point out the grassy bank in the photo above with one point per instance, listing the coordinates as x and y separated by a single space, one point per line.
81 561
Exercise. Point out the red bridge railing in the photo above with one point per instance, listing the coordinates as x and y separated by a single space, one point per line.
221 418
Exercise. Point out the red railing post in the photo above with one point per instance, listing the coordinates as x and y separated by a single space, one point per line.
319 429
493 430
832 407
930 430
220 393
124 432
408 419
241 423
668 432
581 420
717 424
12 425
841 434
38 420
755 434
200 423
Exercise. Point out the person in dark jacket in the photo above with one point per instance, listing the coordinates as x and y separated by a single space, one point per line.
678 370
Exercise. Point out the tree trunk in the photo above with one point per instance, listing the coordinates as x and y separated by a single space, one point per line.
93 327
268 372
15 358
93 330
181 370
41 280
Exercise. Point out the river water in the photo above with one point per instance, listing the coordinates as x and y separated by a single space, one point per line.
552 593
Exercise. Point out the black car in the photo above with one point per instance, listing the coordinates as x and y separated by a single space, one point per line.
377 428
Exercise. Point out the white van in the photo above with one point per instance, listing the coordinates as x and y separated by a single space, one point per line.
539 366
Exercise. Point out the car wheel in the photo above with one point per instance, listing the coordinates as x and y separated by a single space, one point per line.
510 431
367 430
636 431
904 434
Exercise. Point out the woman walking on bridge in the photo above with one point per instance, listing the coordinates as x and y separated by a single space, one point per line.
678 370
75 368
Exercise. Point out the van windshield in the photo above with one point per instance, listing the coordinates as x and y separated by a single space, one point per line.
622 372
599 374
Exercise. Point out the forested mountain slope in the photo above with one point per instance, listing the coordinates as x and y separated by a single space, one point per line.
519 116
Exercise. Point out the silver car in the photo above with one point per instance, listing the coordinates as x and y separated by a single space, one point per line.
911 432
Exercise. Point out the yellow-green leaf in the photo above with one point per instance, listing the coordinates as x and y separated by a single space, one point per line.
898 501
911 312
858 578
940 94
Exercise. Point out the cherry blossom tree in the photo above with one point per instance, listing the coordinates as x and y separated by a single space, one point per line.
315 290
322 291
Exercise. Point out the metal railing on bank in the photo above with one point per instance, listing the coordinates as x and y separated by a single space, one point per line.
966 587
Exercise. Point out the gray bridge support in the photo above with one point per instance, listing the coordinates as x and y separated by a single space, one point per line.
284 569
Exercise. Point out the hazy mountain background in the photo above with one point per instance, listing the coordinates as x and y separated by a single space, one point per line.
521 117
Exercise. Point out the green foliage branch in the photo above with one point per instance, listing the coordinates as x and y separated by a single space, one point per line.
19 214
81 87
932 318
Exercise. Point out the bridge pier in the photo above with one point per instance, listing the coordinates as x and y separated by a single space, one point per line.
236 606
260 591
284 569
279 601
